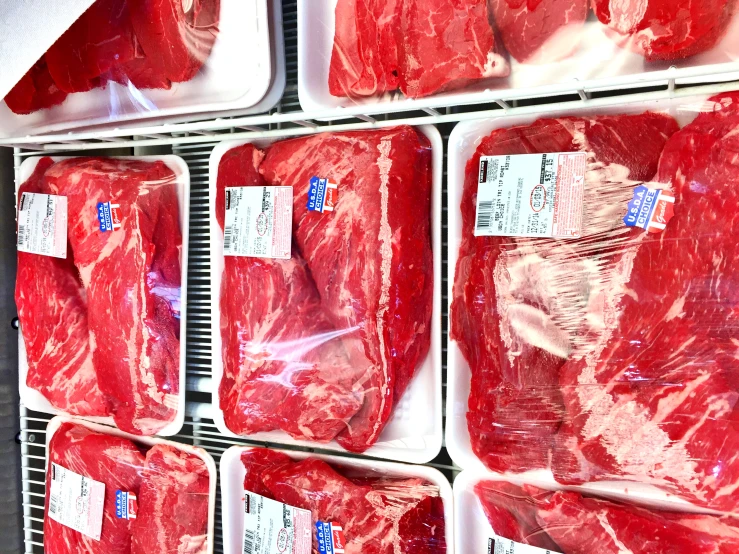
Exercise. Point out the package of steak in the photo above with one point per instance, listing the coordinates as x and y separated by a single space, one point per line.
354 53
160 60
99 292
305 503
111 492
593 299
325 260
494 515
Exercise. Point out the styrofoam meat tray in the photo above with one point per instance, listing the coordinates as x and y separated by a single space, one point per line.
33 399
598 63
56 422
472 528
414 431
229 80
232 489
463 142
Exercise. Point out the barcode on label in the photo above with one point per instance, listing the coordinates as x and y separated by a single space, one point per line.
227 238
53 502
484 214
21 235
248 542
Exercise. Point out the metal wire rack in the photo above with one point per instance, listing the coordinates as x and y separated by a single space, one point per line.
194 143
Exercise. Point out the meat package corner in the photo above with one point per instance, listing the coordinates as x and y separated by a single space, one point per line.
330 339
143 44
172 486
101 329
572 523
379 49
381 507
611 357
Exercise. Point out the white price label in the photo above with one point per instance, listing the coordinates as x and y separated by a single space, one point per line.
258 222
42 224
531 195
76 501
499 545
271 527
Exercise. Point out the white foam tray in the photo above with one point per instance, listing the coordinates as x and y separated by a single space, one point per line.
598 63
245 72
463 142
56 422
33 399
472 529
414 432
232 489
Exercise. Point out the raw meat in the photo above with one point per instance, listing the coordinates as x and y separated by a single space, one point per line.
666 29
378 515
582 525
370 258
654 399
176 38
284 365
114 461
447 45
35 91
131 277
100 39
365 56
518 304
173 513
53 316
419 46
539 31
323 345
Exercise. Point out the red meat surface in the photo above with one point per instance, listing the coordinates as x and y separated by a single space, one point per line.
666 29
418 46
378 515
284 365
333 336
518 304
655 398
582 525
35 91
100 39
258 460
539 31
370 259
53 316
365 56
114 461
175 43
131 277
173 513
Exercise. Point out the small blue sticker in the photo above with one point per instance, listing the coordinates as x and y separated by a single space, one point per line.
125 505
322 195
330 538
109 216
640 208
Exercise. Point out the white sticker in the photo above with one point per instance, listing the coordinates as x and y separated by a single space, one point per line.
271 527
76 501
259 222
500 545
531 195
42 224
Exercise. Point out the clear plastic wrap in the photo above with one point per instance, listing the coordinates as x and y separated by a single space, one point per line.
158 496
354 52
101 329
132 59
568 522
322 346
382 507
611 356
